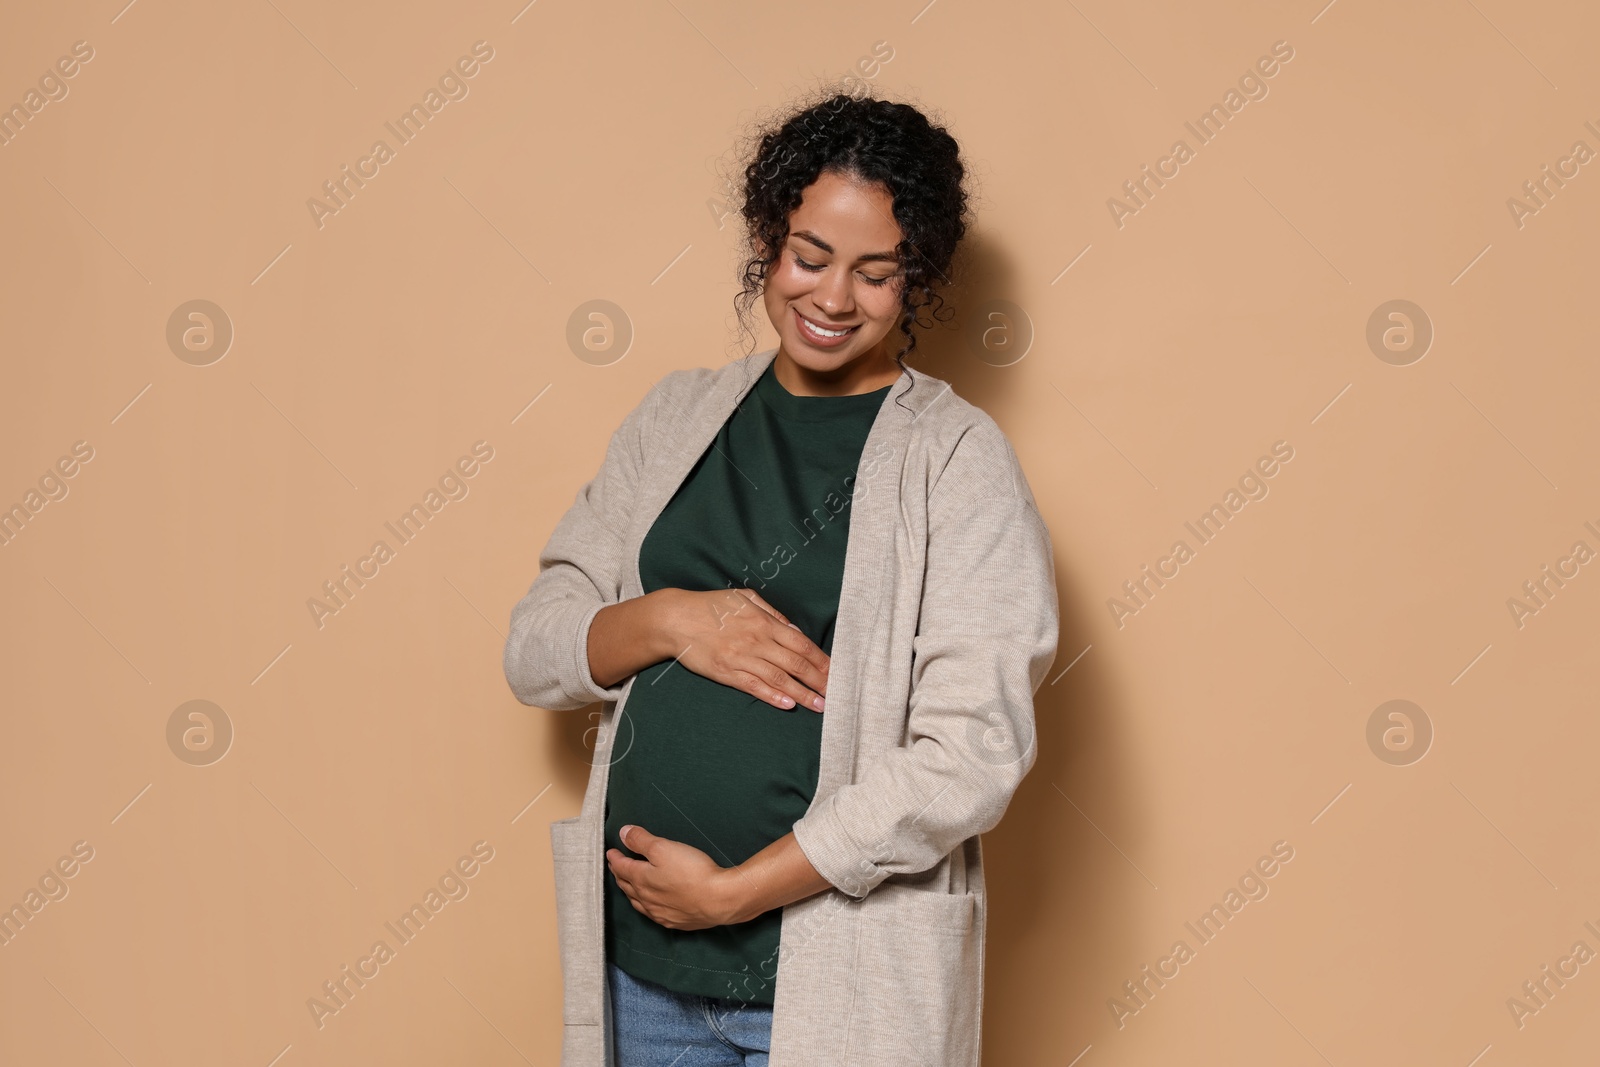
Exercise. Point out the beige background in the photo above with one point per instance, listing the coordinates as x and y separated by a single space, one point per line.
369 354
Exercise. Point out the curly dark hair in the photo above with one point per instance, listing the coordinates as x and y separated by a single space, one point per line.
858 135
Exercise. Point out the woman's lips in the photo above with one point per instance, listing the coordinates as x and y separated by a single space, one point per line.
820 340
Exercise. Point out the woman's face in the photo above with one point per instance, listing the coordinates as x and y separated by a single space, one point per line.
837 271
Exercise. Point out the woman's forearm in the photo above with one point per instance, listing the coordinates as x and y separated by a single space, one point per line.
626 637
779 874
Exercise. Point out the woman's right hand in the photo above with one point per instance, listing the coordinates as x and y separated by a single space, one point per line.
735 637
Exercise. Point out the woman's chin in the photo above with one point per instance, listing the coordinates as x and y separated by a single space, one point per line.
815 360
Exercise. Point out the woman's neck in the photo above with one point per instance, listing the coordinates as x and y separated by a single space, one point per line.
867 372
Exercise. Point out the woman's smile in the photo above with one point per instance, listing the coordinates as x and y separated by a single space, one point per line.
818 334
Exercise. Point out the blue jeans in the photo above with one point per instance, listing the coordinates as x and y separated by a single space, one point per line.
655 1027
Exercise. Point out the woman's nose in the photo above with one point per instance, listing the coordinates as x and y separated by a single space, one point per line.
833 294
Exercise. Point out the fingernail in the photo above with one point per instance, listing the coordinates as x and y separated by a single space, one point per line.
819 704
785 702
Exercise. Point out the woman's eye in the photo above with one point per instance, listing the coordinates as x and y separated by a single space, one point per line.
814 267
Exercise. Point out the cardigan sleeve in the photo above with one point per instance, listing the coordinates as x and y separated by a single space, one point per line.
581 570
985 639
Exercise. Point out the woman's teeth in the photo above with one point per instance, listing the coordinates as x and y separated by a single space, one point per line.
817 331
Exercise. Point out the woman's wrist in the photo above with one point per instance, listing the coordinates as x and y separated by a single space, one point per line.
730 894
630 635
663 606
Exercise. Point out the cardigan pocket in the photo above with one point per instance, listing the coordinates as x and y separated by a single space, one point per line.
574 844
917 979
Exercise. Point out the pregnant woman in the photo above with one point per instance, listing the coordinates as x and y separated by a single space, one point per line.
814 596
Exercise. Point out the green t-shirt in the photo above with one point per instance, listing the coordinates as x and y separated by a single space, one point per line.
768 507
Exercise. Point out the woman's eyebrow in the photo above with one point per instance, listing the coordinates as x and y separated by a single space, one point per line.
807 235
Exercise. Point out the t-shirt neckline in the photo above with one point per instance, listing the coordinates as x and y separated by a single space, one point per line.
787 405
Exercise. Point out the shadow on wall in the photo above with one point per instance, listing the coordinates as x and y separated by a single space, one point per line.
1037 858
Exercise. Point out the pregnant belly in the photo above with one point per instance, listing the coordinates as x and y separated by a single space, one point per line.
711 766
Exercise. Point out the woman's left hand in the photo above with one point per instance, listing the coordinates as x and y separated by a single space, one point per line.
675 885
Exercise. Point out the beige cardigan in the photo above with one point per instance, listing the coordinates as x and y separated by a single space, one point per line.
947 625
